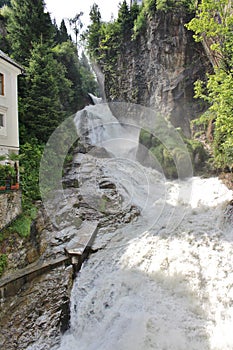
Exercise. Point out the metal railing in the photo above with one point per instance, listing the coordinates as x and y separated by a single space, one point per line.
8 184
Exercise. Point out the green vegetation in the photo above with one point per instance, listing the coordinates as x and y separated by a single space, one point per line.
22 225
150 7
167 157
105 40
3 263
213 25
30 155
5 171
53 87
27 24
4 2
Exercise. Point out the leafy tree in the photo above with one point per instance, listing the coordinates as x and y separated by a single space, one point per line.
168 5
28 24
53 86
213 25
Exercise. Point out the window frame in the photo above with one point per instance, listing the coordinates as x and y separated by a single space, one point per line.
2 84
3 128
2 120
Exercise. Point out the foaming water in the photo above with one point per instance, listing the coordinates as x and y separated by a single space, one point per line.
102 129
165 280
152 289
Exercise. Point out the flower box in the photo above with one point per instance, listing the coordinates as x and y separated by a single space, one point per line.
15 187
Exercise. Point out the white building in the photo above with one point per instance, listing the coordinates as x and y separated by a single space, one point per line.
9 130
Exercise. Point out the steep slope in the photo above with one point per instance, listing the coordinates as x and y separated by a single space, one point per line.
158 69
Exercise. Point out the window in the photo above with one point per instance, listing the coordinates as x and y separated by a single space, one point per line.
1 120
1 84
2 123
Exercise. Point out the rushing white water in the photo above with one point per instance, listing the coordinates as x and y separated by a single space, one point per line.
153 287
102 129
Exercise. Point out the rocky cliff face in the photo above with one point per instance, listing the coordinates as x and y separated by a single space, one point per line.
159 68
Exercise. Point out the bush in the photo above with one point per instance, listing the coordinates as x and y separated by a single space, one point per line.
31 153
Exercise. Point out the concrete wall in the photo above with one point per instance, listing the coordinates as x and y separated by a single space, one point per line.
10 207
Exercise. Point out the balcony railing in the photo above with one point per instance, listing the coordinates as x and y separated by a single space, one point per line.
9 184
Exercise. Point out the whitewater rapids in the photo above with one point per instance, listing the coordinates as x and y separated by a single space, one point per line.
165 280
153 289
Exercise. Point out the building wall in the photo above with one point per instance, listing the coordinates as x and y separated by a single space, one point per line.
10 202
9 134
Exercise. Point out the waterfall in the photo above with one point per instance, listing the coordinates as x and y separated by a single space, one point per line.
163 281
98 126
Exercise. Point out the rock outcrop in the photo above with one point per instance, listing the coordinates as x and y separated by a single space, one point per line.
10 207
35 309
158 70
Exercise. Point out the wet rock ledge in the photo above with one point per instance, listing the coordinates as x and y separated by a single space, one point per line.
33 314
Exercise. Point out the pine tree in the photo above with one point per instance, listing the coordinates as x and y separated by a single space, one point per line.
134 12
66 54
28 24
63 35
124 18
42 110
94 31
5 2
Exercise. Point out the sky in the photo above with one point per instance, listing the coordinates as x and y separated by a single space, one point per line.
69 8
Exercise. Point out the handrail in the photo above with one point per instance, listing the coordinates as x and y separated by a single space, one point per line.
9 184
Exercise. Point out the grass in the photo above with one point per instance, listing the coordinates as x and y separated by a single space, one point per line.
22 225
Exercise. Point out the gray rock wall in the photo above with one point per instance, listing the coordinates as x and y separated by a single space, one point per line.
159 68
10 207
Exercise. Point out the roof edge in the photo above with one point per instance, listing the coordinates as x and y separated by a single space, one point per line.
6 58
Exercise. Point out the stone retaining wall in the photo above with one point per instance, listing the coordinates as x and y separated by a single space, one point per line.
10 207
